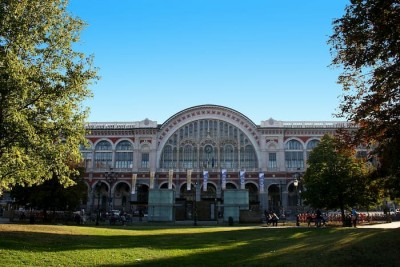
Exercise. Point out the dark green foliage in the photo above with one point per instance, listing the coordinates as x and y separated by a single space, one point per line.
51 195
366 45
335 179
43 82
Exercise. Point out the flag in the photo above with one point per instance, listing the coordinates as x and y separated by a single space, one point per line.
134 176
242 179
189 180
152 174
205 180
223 175
170 176
261 181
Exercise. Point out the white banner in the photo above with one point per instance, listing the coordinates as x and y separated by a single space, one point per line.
170 177
152 174
189 180
205 180
133 186
261 181
242 179
224 173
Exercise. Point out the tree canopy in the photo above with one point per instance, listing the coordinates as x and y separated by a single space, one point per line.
335 179
51 195
366 45
43 82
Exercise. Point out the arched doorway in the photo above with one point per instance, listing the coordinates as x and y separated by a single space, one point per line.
254 201
186 203
230 185
274 198
204 205
122 195
142 198
292 196
207 206
100 196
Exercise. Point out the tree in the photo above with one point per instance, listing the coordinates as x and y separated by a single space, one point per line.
366 44
43 82
51 195
335 179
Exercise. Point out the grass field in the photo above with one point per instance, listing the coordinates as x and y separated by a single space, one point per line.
160 245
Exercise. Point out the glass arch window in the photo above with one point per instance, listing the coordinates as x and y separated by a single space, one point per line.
294 155
124 155
186 156
167 158
87 156
311 145
103 155
208 144
228 157
248 156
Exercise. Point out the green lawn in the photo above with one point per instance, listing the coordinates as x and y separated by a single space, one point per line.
154 245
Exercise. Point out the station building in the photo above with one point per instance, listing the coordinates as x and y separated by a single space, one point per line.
200 153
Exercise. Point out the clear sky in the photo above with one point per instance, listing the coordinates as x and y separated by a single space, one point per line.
263 58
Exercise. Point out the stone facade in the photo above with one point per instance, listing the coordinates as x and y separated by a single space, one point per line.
210 141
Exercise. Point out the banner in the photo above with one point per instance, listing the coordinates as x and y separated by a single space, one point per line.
152 174
261 181
242 179
134 177
224 173
205 180
170 176
189 180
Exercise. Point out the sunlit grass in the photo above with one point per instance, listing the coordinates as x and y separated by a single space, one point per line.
150 245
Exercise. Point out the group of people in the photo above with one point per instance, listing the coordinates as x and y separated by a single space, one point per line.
320 220
317 218
271 218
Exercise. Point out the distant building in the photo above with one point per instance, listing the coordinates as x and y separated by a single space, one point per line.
209 142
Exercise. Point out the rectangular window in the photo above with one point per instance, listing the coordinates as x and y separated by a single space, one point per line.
272 164
87 160
123 160
145 160
294 159
103 160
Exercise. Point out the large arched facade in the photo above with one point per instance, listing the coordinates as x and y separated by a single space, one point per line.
211 148
208 144
208 137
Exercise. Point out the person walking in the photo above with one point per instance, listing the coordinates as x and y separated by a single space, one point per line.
354 217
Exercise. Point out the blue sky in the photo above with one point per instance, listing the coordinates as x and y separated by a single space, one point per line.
263 58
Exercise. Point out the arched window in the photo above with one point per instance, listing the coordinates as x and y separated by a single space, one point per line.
209 157
228 156
294 155
87 156
124 155
248 158
103 155
311 145
167 159
186 157
208 143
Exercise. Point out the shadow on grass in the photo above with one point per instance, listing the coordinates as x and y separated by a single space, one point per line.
215 246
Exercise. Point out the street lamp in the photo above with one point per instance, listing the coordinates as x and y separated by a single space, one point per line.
296 183
111 177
